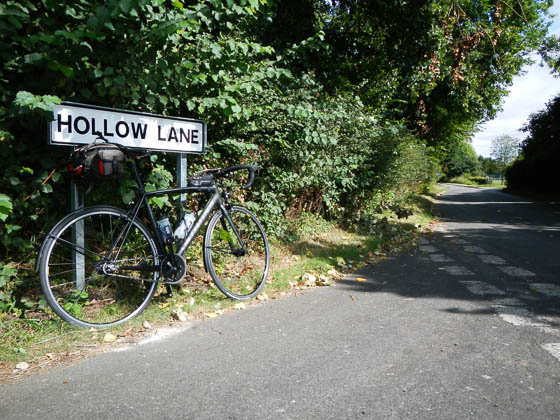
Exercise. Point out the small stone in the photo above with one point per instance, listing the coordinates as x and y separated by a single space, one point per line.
22 366
309 280
180 315
323 281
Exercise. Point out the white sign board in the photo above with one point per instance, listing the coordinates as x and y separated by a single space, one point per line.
81 124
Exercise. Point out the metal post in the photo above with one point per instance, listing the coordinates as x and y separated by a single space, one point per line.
78 258
182 181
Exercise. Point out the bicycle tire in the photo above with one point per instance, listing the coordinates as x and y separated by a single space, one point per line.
90 280
239 277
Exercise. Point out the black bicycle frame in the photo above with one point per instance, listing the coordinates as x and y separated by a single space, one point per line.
214 202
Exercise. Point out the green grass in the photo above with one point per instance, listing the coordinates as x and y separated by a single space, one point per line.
495 184
315 246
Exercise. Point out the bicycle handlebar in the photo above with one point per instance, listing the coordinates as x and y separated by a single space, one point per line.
219 173
250 168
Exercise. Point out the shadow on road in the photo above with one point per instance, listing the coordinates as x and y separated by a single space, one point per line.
505 244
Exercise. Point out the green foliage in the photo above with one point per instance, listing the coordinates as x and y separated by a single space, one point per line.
5 207
319 94
488 165
461 160
471 180
441 65
535 169
7 301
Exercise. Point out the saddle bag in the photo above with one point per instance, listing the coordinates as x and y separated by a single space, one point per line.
96 163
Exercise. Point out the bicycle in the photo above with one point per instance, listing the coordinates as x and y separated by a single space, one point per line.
100 266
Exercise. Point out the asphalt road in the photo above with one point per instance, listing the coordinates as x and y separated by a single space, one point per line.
464 325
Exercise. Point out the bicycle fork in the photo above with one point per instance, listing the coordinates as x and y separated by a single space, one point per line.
214 202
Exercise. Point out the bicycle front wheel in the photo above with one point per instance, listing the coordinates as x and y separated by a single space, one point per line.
99 267
239 269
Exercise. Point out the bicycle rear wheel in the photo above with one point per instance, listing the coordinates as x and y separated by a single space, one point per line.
239 275
99 267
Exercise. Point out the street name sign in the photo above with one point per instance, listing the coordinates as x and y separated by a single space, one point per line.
75 123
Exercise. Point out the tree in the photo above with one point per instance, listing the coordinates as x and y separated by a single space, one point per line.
462 160
488 165
442 66
504 150
536 169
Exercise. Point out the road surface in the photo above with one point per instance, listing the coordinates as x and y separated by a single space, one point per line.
464 325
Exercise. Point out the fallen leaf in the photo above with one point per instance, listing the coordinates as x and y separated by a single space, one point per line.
147 325
360 279
262 297
164 305
239 305
50 356
110 338
191 301
212 315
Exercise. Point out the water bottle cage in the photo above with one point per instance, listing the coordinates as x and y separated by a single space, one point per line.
226 200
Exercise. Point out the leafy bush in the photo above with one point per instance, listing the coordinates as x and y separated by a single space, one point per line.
481 180
319 153
536 168
467 179
461 160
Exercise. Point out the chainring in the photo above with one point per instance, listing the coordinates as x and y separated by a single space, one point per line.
173 269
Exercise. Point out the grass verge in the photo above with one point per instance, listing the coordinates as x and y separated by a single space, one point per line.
318 253
472 181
